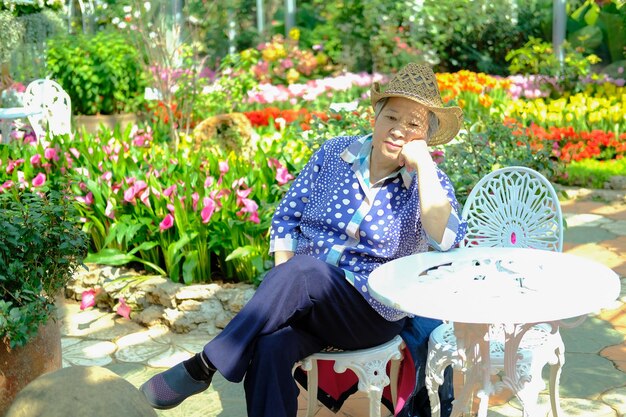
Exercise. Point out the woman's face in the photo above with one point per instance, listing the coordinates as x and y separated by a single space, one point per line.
401 121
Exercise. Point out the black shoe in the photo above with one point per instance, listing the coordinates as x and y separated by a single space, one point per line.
170 388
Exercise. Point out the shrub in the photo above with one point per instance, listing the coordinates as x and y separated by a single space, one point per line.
486 146
101 73
537 57
40 248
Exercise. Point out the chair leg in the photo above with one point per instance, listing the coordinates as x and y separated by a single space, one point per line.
393 381
375 396
433 395
555 377
483 404
436 363
529 394
311 408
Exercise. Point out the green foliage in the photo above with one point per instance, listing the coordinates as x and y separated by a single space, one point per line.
599 28
101 73
592 173
485 147
537 57
453 34
348 124
22 8
230 91
11 32
476 35
40 248
29 58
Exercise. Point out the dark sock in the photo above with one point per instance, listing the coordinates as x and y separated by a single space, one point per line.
199 367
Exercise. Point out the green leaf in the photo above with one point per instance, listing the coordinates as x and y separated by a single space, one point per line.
110 256
189 266
592 15
616 35
241 252
588 38
143 246
115 257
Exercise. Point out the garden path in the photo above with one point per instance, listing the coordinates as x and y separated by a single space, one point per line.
593 381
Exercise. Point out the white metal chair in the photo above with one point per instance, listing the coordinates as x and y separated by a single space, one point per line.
369 365
510 207
49 107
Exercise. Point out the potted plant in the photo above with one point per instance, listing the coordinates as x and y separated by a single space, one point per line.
41 245
101 73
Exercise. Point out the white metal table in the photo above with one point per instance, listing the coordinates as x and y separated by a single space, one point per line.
479 287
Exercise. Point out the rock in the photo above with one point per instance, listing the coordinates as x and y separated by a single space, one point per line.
616 182
157 300
189 305
150 316
198 292
163 293
80 391
209 313
235 298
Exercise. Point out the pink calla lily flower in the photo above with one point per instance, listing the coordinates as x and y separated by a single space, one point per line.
88 299
123 309
39 180
283 176
167 222
208 209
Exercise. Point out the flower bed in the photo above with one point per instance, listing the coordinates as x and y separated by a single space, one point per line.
196 214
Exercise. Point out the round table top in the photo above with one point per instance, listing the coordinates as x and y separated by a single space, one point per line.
495 285
16 112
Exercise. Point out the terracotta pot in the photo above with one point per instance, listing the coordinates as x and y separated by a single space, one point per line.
92 123
21 365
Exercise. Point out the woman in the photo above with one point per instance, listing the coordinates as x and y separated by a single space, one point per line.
358 203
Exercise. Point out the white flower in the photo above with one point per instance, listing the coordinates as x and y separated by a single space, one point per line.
127 9
137 14
122 25
152 35
115 20
147 6
194 20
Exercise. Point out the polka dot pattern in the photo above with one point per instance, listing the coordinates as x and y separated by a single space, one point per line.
331 213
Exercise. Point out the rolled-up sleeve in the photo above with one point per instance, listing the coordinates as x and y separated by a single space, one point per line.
456 227
285 230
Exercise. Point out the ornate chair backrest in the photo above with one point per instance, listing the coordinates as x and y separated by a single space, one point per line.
51 107
514 207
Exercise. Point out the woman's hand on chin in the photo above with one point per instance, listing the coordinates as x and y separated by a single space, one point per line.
413 154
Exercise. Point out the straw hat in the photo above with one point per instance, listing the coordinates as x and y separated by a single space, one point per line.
417 82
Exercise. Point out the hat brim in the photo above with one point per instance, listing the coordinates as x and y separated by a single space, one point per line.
450 118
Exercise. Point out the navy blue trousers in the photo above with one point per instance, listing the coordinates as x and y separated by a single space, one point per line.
301 307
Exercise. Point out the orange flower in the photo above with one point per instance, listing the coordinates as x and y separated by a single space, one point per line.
485 100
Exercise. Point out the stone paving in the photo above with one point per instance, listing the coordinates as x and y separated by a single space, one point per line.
593 381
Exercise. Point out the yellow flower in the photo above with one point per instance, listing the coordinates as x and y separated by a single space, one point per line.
294 33
292 75
269 54
593 59
246 54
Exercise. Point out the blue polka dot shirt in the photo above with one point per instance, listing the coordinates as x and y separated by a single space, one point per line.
333 213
